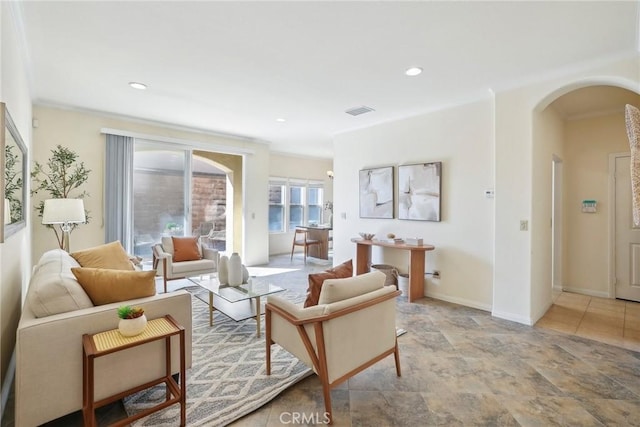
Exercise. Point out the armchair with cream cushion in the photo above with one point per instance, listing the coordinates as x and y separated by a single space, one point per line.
352 327
190 258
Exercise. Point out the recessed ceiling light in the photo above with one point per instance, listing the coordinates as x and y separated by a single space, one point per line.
281 120
413 71
139 86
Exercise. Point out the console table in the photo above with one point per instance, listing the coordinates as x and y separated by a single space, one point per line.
416 269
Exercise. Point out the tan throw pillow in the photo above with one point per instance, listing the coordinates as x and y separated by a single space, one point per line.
341 271
185 249
105 286
110 255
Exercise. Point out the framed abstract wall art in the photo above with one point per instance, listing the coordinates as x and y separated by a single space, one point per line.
419 188
376 193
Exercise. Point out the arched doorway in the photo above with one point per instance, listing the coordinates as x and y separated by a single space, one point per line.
577 127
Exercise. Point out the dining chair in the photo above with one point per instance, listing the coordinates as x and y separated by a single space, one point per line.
301 238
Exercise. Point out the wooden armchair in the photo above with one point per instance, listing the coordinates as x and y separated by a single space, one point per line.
351 328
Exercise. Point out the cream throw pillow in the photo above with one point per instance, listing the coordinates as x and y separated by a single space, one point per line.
110 255
340 289
105 286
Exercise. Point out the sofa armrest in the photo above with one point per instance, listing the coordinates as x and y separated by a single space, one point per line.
49 356
211 254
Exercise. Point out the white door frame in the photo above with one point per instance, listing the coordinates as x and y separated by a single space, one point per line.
612 221
557 223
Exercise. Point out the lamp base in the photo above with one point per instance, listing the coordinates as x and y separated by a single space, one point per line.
65 241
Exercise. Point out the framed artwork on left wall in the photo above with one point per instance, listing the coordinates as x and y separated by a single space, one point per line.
376 192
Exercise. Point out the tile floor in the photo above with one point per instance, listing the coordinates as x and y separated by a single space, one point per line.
611 321
461 366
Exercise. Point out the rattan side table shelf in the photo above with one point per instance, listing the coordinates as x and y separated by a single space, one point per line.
103 343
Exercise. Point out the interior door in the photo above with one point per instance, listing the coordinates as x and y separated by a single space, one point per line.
627 237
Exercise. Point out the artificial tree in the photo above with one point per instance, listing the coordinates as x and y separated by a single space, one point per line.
62 176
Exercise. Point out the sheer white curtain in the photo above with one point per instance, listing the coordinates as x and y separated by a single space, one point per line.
118 209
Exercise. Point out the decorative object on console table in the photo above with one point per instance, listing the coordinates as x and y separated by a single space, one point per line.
376 192
413 241
235 270
223 270
419 188
132 320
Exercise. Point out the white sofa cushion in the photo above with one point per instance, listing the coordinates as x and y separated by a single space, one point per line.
53 288
340 289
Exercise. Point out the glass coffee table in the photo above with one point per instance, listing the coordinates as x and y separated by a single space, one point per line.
235 301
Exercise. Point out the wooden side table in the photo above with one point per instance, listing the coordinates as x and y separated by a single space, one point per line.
103 343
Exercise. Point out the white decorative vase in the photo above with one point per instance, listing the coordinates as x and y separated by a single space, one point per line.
132 327
245 274
223 270
235 270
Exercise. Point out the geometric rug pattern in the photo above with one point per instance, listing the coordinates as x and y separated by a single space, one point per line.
227 379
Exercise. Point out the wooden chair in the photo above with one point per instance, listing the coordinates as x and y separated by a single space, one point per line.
301 238
352 328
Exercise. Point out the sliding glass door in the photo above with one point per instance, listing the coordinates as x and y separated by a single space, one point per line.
160 194
177 193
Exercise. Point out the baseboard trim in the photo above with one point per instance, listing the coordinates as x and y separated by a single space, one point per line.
460 301
512 317
591 293
8 381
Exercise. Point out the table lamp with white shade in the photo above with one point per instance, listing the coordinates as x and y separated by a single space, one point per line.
64 212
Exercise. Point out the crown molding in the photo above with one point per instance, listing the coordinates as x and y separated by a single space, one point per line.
165 125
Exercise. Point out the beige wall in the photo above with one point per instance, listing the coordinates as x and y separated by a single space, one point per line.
15 252
462 139
80 132
297 167
588 145
548 141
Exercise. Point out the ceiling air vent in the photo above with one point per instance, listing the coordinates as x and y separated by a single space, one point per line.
356 111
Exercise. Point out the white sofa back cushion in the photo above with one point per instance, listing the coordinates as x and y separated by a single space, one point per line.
53 288
340 289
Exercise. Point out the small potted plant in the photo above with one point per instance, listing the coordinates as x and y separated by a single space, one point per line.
132 320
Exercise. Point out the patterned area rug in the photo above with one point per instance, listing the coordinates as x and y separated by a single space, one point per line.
227 379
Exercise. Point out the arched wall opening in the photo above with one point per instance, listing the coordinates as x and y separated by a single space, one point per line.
574 129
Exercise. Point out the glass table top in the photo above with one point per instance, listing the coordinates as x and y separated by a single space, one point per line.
236 293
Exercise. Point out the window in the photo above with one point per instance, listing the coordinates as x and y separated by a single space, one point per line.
296 206
315 198
300 202
276 206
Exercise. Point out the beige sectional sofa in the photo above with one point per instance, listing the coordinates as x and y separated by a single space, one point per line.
56 313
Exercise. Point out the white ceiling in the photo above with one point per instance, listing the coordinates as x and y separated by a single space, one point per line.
235 67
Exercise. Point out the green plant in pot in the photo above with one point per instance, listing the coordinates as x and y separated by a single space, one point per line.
132 320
